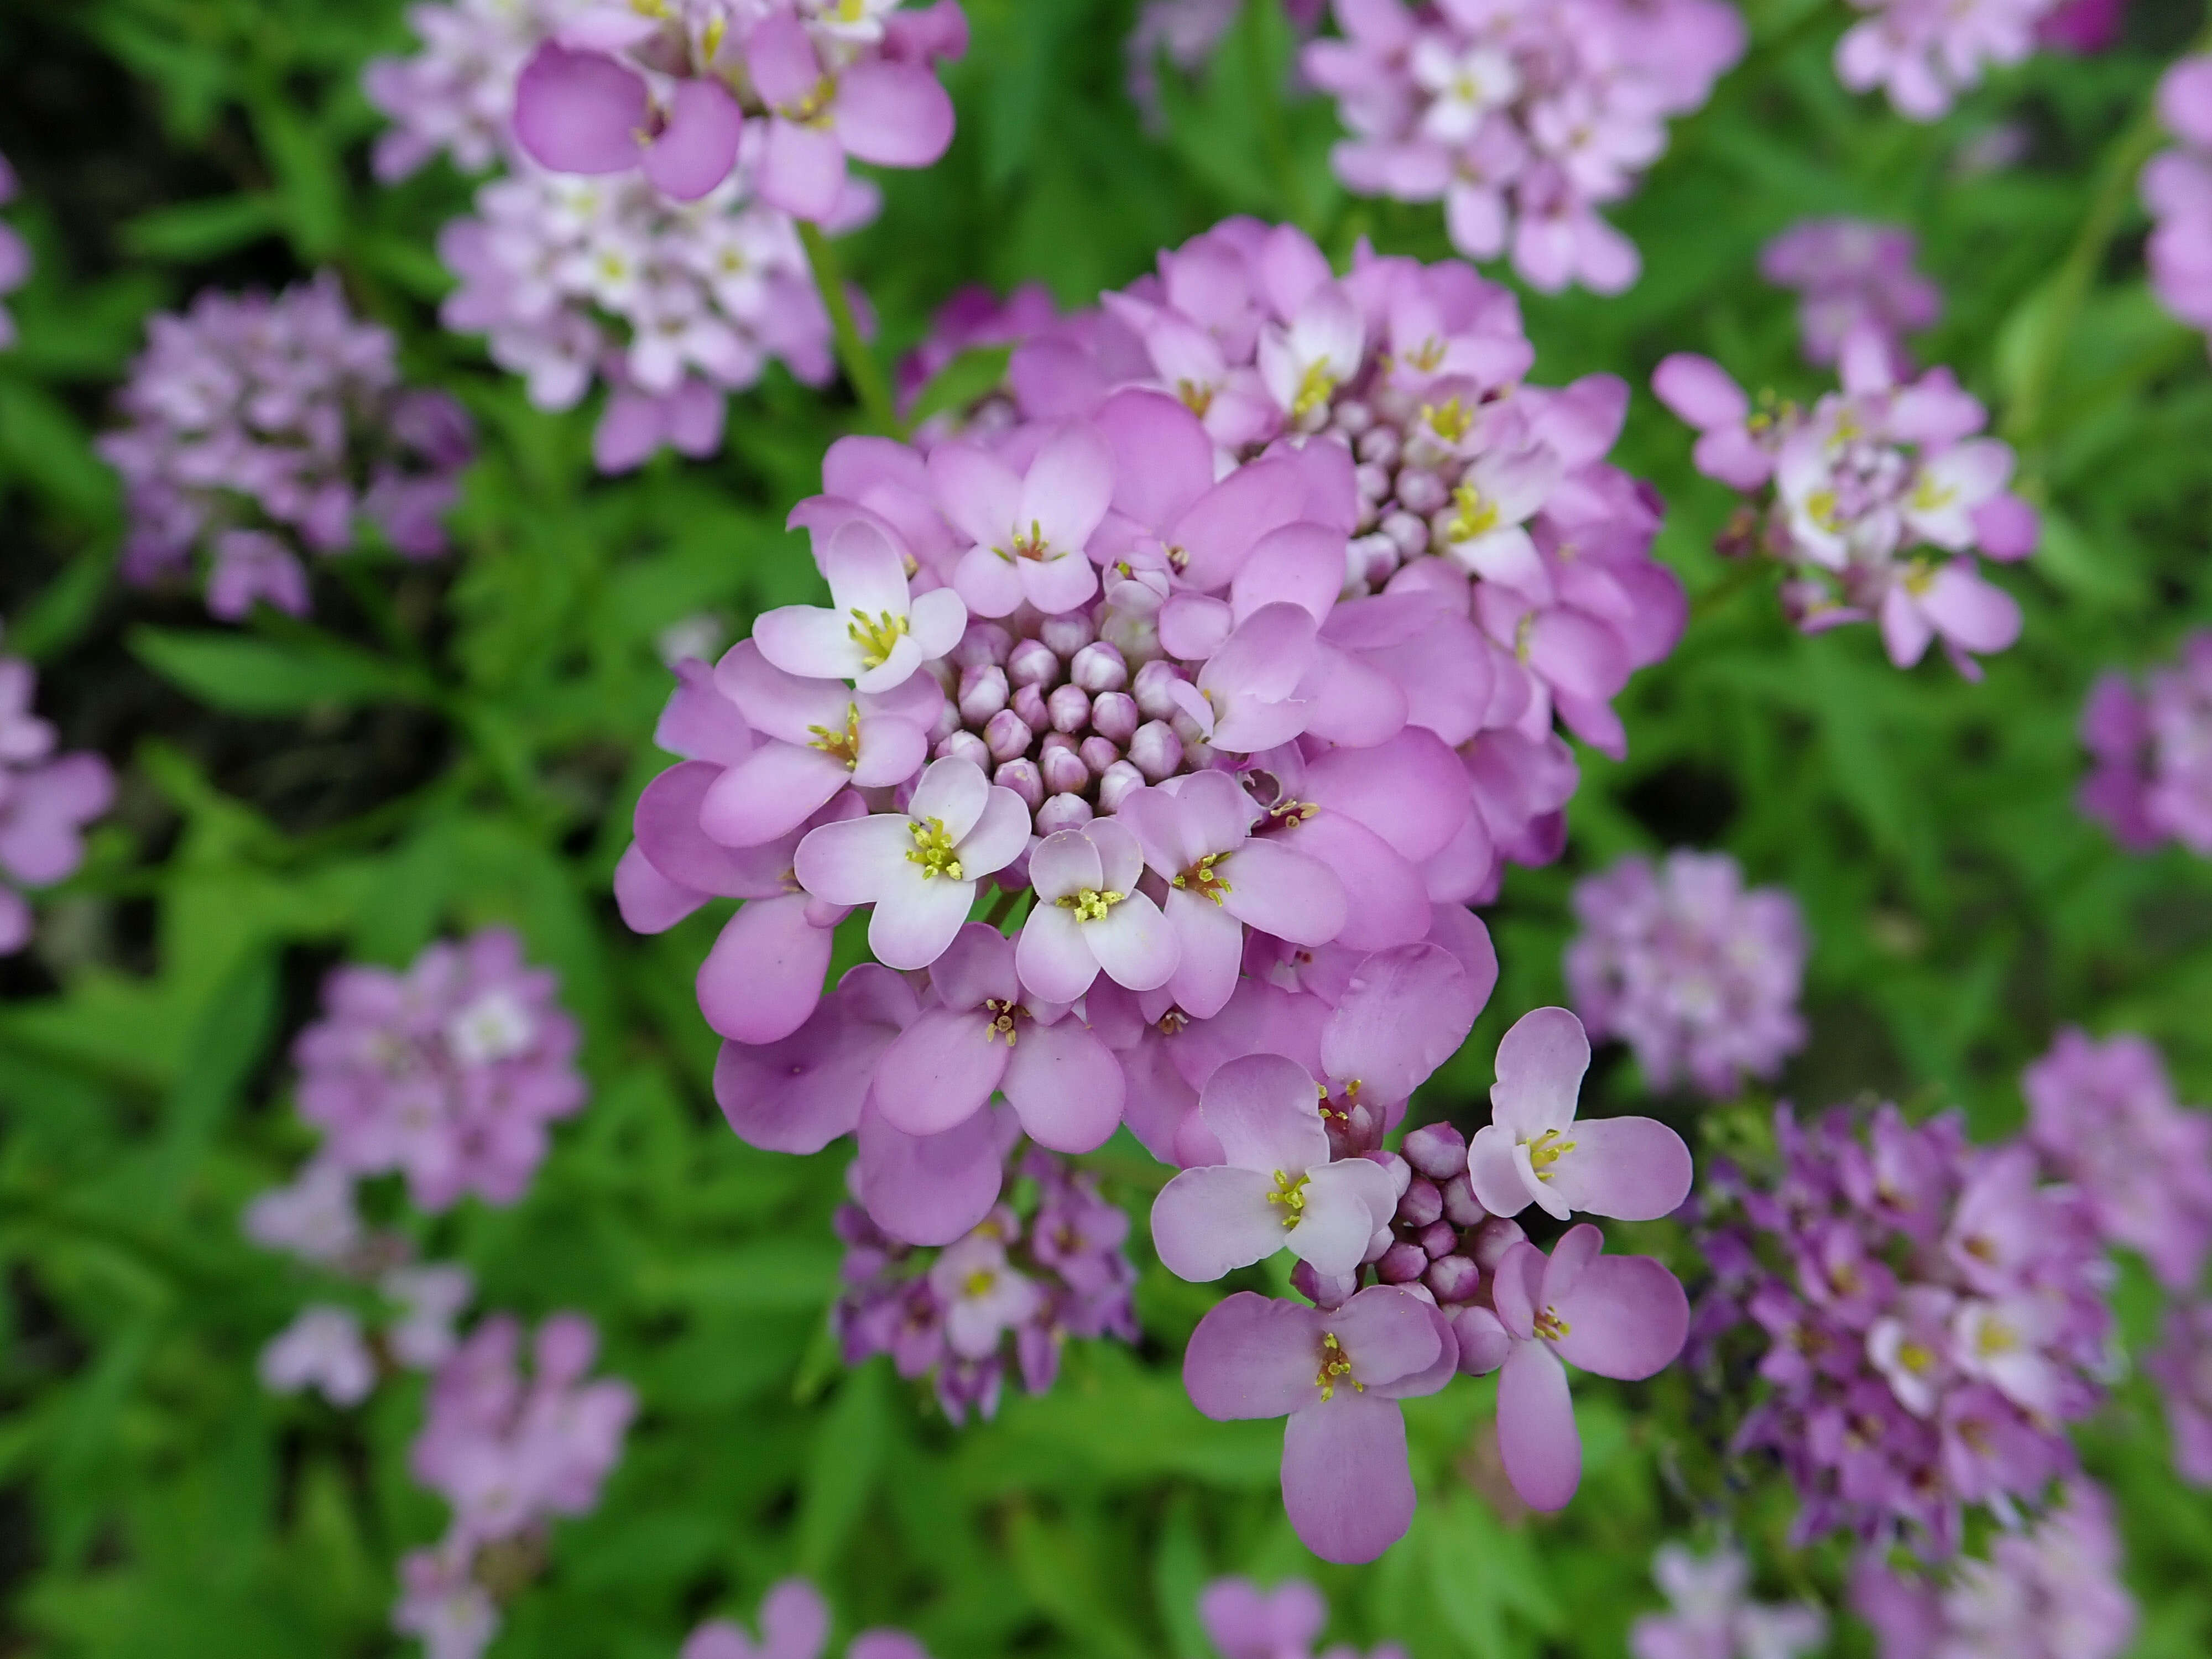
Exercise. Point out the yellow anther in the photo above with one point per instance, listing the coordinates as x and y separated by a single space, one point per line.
840 743
710 39
1284 813
1005 1018
1919 577
876 637
1821 506
1549 1326
1171 1022
1546 1151
1091 904
1914 1358
1928 494
1033 546
1477 514
1315 386
1450 421
1334 1364
1428 356
1196 398
934 850
1522 631
978 1283
1291 1193
1203 879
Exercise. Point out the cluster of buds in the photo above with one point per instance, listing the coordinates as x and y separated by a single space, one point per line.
1874 500
45 801
1931 1314
258 426
1523 118
1034 1273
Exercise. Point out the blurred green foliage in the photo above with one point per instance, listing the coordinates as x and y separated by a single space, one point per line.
461 743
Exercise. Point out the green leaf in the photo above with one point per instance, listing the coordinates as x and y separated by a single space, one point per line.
193 231
842 1473
262 677
974 373
311 188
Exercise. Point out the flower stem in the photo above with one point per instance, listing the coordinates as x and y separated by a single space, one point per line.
862 369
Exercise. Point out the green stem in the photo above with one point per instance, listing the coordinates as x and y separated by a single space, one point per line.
1748 573
862 369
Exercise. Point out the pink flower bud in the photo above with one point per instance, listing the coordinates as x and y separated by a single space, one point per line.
1097 753
1493 1239
1068 633
1379 447
946 723
1401 1173
1373 483
1437 1150
1408 534
1401 1264
1421 492
1069 707
1099 667
1351 417
1324 1291
1063 812
1151 687
1115 782
1155 749
1028 703
983 692
1438 1238
1420 1204
965 746
1007 735
984 642
1462 1207
1453 1278
1023 777
1033 662
1065 773
1114 716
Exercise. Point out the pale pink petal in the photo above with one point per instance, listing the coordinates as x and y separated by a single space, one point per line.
1347 1487
1283 892
1066 1086
1208 1222
1541 1062
1133 943
1054 962
1537 1439
953 793
763 977
858 860
696 150
895 115
1266 1113
916 919
1066 862
928 1189
1632 1168
1626 1317
1345 1203
1253 1356
770 793
579 111
940 1071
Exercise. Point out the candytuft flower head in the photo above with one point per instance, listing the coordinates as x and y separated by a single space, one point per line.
258 428
1533 1150
1874 500
2181 1365
2177 191
1712 1617
45 801
1699 977
794 1623
2151 781
1851 274
1924 54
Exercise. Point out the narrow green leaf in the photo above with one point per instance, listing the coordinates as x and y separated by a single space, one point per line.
974 373
261 676
193 231
842 1470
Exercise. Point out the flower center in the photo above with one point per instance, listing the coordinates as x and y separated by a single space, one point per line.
1005 1016
1477 515
1915 1357
1451 422
1334 1363
1315 387
876 638
934 850
840 743
1290 1192
1549 1326
815 106
1284 813
1546 1149
1428 356
978 1284
1091 904
1034 546
1203 879
1197 396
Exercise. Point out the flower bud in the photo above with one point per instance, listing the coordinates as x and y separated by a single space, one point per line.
1065 773
1155 749
1373 483
1115 783
1493 1239
1063 812
1150 689
1453 1278
964 745
1437 1150
1066 633
1114 715
1438 1238
984 642
1069 709
983 692
1023 777
1378 446
1462 1207
1400 1172
1097 753
1033 662
1327 1291
1351 417
1028 702
1007 735
1420 1204
1421 492
946 723
1401 1264
1099 667
1408 534
1198 757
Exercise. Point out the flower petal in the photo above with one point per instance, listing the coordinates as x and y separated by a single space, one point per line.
763 976
928 1189
1345 1203
1211 1221
939 1072
1347 1486
579 111
1066 1086
1253 1356
858 860
1537 1439
696 150
1632 1168
1626 1317
1541 1062
1055 961
1266 1113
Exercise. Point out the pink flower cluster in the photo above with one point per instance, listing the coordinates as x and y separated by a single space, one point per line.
1244 1621
1158 683
794 1623
2104 1117
1933 1315
449 1073
2153 748
2181 1365
45 801
15 257
2049 1591
455 96
1852 274
1713 1617
325 1348
1458 1285
256 427
2177 190
509 1455
1523 117
1923 53
1015 1287
1696 974
1874 500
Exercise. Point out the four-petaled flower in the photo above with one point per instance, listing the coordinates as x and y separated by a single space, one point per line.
874 633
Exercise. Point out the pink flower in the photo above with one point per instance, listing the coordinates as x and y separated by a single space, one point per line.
894 114
1088 916
1633 1168
1337 1377
875 633
45 801
323 1349
1027 531
1622 1316
1275 1187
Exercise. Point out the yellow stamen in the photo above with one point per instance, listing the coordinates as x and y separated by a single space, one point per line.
876 638
934 850
1549 1326
1204 879
1197 398
840 743
1334 1363
1315 386
1004 1015
1477 514
1451 422
1091 904
1291 1196
1543 1153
